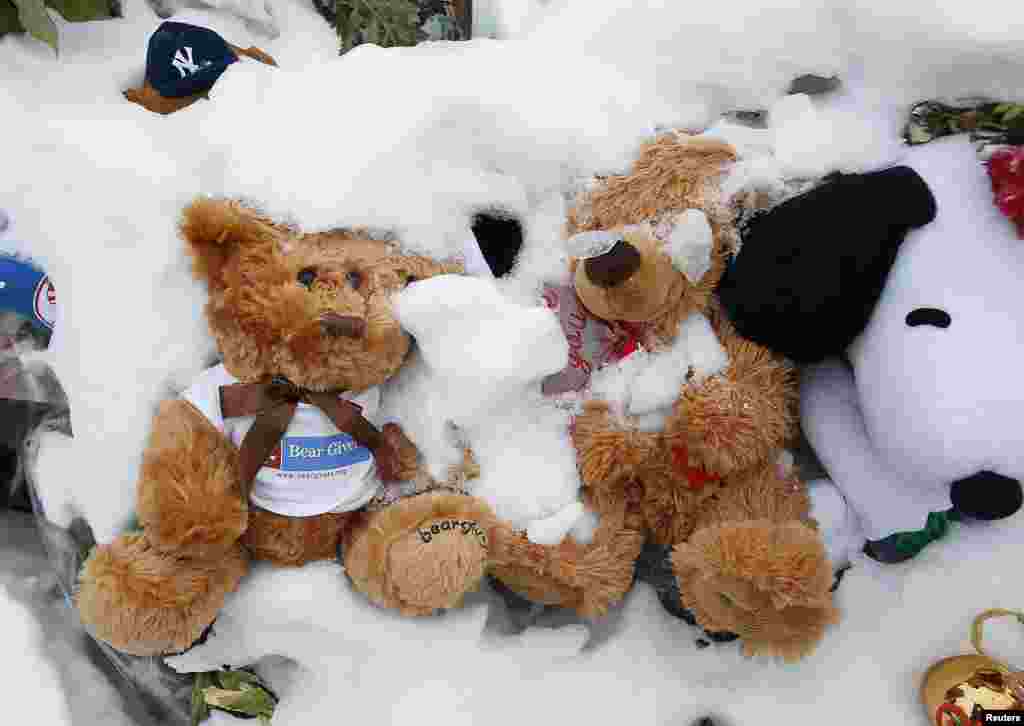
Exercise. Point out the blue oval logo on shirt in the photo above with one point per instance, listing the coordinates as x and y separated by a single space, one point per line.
317 453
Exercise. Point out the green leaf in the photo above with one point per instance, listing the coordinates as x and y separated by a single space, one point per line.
919 135
9 22
1002 108
1013 113
234 680
80 11
200 711
38 23
251 701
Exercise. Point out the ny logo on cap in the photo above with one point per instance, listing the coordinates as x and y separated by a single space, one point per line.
184 63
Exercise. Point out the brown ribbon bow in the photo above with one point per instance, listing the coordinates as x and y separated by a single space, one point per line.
273 404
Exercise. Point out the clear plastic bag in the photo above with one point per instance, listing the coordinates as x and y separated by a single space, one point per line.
33 404
159 694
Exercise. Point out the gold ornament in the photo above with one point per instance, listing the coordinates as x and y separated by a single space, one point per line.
955 688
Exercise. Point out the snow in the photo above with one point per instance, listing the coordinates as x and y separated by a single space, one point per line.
838 522
417 141
804 139
479 365
648 382
592 243
642 666
690 244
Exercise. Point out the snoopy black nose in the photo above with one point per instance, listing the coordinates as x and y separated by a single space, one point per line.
987 495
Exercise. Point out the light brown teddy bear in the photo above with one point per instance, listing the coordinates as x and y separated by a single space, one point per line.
272 455
703 485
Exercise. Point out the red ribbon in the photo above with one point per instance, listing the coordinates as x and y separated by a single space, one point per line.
696 477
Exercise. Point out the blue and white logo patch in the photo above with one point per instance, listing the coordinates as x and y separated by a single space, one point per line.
317 453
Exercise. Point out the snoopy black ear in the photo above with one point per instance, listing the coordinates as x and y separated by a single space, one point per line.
810 270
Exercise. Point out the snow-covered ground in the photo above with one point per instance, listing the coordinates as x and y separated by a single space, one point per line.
416 140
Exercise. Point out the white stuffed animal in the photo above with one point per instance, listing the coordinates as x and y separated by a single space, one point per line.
909 305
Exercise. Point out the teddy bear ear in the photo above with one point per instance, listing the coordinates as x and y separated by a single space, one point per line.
216 229
810 270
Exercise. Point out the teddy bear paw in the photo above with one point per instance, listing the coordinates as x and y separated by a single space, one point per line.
146 602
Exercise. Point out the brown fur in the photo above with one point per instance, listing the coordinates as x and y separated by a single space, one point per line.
387 560
587 578
653 292
757 545
737 527
264 320
143 601
740 418
423 579
155 592
673 172
294 541
188 495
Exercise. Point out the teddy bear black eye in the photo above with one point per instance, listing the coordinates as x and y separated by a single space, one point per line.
354 278
307 276
929 316
411 279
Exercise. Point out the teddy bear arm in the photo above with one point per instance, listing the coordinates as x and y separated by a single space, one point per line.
607 452
759 495
737 419
189 496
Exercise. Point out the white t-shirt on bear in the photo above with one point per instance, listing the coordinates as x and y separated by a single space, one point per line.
315 468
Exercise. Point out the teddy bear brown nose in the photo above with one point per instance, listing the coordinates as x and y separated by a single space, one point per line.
615 266
348 326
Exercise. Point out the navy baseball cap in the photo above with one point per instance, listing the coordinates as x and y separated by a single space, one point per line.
183 59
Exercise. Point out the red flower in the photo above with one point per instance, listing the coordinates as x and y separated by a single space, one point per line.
1006 171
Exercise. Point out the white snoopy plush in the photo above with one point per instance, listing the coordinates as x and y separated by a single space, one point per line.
903 291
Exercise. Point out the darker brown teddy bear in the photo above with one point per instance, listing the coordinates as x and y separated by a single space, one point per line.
704 486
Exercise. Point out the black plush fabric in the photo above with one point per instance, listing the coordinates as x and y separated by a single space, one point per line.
18 418
887 551
987 496
811 269
500 239
654 566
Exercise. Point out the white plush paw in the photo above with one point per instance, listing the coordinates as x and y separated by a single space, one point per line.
552 530
837 521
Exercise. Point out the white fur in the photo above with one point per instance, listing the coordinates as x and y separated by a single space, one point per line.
923 406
